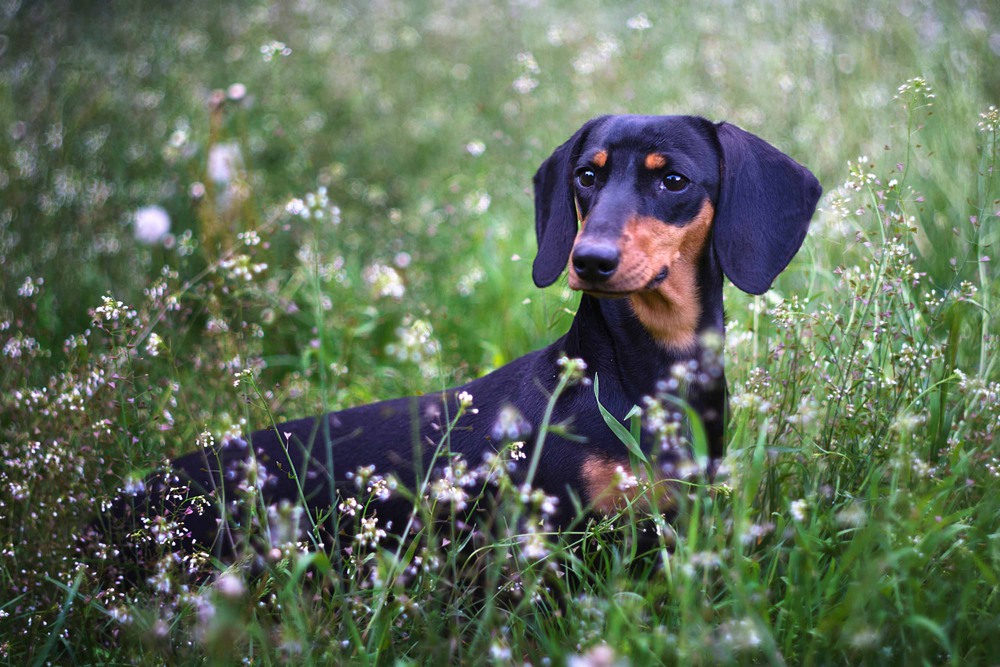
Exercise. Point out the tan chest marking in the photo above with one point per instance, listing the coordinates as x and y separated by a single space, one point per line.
670 313
610 486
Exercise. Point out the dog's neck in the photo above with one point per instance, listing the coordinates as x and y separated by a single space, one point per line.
609 336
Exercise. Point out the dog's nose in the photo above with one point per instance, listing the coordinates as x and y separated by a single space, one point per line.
595 261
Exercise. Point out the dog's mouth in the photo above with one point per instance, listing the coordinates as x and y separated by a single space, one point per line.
608 291
658 279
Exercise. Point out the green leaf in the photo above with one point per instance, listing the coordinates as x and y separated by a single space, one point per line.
622 433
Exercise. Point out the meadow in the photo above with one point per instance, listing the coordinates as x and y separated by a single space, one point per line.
218 214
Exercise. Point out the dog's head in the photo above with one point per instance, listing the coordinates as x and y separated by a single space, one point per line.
633 203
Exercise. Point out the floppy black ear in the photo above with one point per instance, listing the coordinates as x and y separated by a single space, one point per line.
555 212
766 200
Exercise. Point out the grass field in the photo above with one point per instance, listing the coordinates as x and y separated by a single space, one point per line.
347 190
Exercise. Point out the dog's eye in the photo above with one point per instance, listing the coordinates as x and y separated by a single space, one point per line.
586 178
675 182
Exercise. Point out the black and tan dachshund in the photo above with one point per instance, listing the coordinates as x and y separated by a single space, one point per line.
648 213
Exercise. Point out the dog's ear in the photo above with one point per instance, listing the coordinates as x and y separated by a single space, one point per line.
766 200
555 211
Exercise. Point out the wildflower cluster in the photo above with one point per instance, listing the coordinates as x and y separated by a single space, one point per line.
113 314
990 120
416 344
861 175
369 533
451 487
526 81
597 56
916 93
574 370
384 281
640 22
314 206
30 287
274 48
467 283
241 268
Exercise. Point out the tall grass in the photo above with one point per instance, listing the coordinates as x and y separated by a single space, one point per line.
347 191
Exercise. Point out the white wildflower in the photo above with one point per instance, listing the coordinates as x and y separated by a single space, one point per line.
639 22
385 281
475 148
369 534
230 585
798 510
224 160
274 48
349 507
30 287
152 224
154 344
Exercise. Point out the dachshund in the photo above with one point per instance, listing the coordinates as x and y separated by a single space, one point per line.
647 214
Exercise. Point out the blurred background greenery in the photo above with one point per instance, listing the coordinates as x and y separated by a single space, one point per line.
424 121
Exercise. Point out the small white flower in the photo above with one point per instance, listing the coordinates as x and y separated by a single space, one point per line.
250 238
349 507
244 374
154 344
30 287
524 84
990 120
574 369
467 283
597 656
152 224
478 202
236 92
475 148
639 22
369 534
385 281
623 481
230 585
206 440
224 160
517 451
798 510
274 48
533 545
500 652
113 311
295 206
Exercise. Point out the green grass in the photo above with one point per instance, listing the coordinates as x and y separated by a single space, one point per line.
857 520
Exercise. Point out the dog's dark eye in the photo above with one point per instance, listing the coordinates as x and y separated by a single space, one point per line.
586 178
675 182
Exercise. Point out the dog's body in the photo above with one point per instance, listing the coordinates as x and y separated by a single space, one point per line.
649 213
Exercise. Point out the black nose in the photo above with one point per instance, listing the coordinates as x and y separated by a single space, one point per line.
595 261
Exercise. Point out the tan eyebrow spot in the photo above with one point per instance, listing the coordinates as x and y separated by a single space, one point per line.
655 161
600 158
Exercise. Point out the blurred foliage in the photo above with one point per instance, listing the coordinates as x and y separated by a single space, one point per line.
107 108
